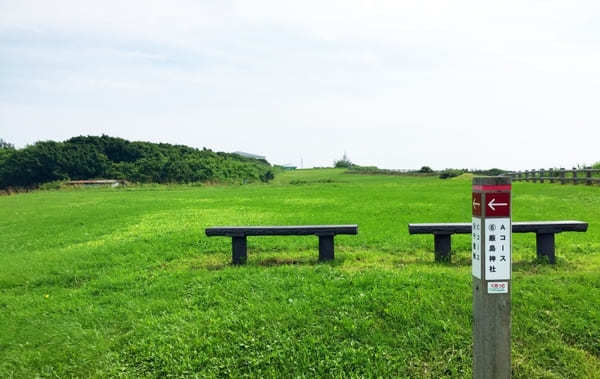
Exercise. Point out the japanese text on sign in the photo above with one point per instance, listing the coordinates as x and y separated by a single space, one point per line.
497 249
476 241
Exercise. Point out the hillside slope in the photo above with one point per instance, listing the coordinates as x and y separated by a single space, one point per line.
108 157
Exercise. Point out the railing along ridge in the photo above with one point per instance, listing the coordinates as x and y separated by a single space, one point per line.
553 175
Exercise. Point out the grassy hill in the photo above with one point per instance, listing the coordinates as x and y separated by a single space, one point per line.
93 157
123 282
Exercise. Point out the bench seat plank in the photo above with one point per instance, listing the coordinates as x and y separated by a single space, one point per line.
543 227
297 230
440 228
517 227
544 231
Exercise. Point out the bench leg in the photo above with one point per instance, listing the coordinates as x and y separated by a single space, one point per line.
325 248
545 246
238 247
443 245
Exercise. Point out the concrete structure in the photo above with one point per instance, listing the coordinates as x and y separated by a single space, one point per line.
248 155
97 182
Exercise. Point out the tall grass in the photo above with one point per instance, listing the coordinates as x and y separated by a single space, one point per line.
123 282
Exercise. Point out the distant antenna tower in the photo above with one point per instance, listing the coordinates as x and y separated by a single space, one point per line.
301 162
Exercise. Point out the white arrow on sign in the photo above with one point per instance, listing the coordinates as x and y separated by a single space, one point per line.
475 204
493 202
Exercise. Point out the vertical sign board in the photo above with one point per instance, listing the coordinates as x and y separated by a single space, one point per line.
491 270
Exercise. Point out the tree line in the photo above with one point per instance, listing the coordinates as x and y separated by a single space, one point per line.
94 157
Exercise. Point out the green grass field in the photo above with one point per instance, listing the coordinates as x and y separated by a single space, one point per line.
123 282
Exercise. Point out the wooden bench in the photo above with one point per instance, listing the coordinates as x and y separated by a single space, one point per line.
544 231
238 236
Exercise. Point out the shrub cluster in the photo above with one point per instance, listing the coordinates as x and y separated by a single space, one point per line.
423 171
450 173
107 157
343 163
373 170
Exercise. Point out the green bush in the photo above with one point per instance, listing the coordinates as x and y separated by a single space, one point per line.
5 145
5 152
490 172
94 157
57 184
267 176
343 163
450 173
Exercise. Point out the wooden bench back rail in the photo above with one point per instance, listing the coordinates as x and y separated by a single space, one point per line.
238 235
544 230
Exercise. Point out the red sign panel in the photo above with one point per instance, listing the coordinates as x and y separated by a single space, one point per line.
476 204
497 204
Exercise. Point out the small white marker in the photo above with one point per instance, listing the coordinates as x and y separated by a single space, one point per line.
497 287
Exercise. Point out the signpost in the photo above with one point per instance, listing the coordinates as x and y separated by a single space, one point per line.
491 269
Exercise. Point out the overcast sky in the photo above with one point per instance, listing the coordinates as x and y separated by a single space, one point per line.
396 84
